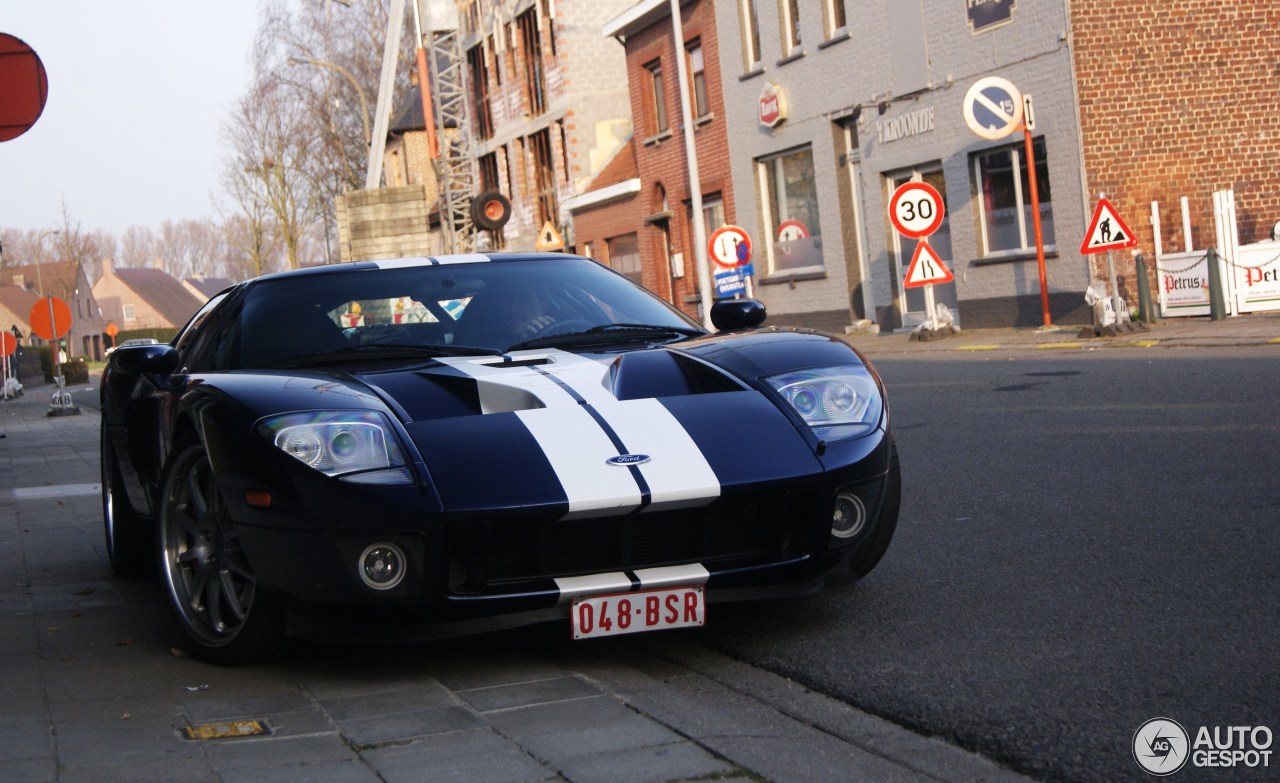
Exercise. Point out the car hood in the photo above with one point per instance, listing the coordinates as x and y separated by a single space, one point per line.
590 436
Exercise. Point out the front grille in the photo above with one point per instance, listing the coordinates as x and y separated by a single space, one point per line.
754 528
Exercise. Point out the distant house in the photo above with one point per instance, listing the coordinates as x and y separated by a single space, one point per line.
15 309
135 299
65 280
203 288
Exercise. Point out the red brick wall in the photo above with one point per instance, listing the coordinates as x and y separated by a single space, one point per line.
1179 98
662 163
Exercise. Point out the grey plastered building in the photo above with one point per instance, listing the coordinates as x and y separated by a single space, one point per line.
873 94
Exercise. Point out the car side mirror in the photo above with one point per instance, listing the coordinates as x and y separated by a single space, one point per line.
150 359
730 315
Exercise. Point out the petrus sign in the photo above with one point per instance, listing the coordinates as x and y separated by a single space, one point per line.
986 14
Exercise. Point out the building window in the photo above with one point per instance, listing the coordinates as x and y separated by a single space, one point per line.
697 79
834 19
544 177
790 26
128 312
624 256
479 65
1004 200
789 196
657 97
750 21
535 86
495 61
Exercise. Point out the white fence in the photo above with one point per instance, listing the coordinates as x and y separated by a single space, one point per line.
1250 273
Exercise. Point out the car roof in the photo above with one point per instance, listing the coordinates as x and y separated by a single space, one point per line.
395 263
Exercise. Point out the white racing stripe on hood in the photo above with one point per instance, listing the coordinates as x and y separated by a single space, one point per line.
546 397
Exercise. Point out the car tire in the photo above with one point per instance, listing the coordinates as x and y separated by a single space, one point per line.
126 533
867 555
226 617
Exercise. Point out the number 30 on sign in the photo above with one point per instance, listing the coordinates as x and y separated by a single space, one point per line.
916 209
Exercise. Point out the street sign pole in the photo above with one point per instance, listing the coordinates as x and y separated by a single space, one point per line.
1035 220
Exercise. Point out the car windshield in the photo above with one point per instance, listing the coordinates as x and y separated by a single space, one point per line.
444 309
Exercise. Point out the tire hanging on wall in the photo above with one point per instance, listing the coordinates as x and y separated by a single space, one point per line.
490 210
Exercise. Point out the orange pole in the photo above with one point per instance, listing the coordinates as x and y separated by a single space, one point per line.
1035 220
428 114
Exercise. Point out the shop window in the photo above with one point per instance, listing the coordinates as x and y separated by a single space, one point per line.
624 256
1004 201
657 93
697 79
749 19
789 195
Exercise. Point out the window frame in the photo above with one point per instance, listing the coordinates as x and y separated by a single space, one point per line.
771 188
789 35
656 95
697 78
749 22
1022 202
831 9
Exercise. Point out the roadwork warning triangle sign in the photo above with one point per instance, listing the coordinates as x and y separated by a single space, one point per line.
926 268
1106 231
549 238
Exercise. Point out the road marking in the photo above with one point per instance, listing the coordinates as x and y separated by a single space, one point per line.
977 348
59 491
1060 345
1274 341
1137 344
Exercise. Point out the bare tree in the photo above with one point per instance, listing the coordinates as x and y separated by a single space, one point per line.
270 136
137 247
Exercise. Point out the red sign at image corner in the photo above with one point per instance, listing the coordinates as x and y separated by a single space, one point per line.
24 87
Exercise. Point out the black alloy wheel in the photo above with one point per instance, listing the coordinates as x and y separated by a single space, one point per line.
227 618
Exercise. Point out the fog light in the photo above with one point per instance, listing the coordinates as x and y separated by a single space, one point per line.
382 566
849 515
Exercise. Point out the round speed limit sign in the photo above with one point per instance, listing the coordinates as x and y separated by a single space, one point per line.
916 209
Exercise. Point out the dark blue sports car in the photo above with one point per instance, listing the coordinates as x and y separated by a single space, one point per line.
436 446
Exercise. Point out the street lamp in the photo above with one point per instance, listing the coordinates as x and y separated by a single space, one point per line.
364 102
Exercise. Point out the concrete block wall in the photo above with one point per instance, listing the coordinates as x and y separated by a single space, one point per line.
850 78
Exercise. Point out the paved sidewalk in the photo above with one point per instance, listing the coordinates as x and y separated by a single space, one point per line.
1252 329
93 689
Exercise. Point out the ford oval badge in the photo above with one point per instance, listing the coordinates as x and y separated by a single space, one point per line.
628 459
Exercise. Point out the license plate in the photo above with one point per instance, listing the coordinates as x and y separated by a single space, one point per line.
648 610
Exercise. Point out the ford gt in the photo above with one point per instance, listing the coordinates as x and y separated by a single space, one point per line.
437 446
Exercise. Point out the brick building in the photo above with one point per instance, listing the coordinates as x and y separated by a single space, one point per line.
548 104
1141 101
1180 99
649 234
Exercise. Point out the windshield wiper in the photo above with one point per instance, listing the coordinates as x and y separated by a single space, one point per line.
609 333
359 353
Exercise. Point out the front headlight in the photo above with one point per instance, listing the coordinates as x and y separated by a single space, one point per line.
836 402
355 446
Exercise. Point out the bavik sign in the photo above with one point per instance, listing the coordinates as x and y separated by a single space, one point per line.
773 105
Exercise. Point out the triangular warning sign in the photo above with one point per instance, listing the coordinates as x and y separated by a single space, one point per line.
1106 231
549 238
926 268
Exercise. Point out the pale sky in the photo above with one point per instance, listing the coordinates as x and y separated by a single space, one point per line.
138 90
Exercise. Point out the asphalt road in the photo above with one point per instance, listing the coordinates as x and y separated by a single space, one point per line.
1087 541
